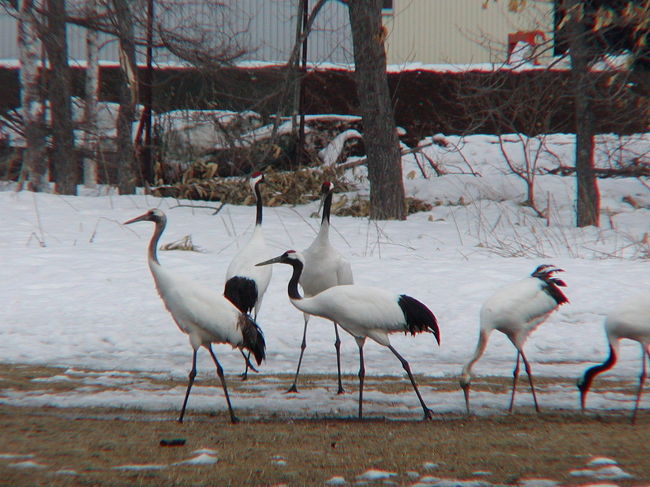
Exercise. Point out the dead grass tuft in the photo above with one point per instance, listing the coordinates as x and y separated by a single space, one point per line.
282 188
184 243
361 207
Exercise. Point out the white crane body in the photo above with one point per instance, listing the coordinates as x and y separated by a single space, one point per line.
197 310
245 282
324 267
629 320
516 310
364 312
204 315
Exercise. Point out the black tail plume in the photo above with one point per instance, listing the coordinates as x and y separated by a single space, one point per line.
253 338
418 317
545 272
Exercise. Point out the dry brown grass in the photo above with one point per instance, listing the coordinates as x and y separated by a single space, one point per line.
282 188
512 447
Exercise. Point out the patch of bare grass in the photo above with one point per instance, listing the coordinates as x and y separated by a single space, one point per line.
86 444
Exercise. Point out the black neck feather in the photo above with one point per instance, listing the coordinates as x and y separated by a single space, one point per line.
258 201
590 374
292 288
327 207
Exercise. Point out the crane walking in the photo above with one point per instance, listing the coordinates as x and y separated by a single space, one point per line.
631 320
205 316
324 267
516 310
364 312
245 282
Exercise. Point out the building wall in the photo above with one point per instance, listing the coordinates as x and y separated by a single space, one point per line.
424 31
266 29
459 31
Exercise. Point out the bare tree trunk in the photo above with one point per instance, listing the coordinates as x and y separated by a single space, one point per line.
379 130
35 168
91 100
588 195
54 39
128 96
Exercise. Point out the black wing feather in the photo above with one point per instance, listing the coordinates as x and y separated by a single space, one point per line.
242 292
418 317
551 284
253 338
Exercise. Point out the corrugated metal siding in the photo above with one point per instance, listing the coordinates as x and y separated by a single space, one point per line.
265 28
459 31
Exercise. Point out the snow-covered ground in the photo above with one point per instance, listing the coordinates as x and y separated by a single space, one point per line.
76 291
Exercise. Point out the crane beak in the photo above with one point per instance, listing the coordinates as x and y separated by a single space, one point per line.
583 400
140 218
271 261
466 394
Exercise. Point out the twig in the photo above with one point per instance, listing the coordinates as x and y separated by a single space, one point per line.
205 207
41 240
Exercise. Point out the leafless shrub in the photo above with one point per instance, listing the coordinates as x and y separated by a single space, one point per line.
516 234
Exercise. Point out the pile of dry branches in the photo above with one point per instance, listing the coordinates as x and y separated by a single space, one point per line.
282 188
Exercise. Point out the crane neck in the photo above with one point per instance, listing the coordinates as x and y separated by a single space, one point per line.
327 207
584 384
292 288
153 243
259 204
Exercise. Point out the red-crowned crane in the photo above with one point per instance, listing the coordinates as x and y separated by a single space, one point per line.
364 312
324 268
245 282
204 315
516 310
631 319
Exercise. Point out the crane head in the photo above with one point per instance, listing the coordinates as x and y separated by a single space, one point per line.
290 257
327 187
154 215
256 178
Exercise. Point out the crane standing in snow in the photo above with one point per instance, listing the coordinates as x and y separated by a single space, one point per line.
631 319
204 315
364 312
245 282
516 310
324 268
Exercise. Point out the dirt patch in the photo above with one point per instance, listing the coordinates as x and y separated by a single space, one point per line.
74 446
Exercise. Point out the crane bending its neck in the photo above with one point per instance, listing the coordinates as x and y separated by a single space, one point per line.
295 260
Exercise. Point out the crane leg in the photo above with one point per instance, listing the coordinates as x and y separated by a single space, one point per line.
642 378
189 385
515 376
303 345
247 360
362 375
337 345
233 418
427 412
530 380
